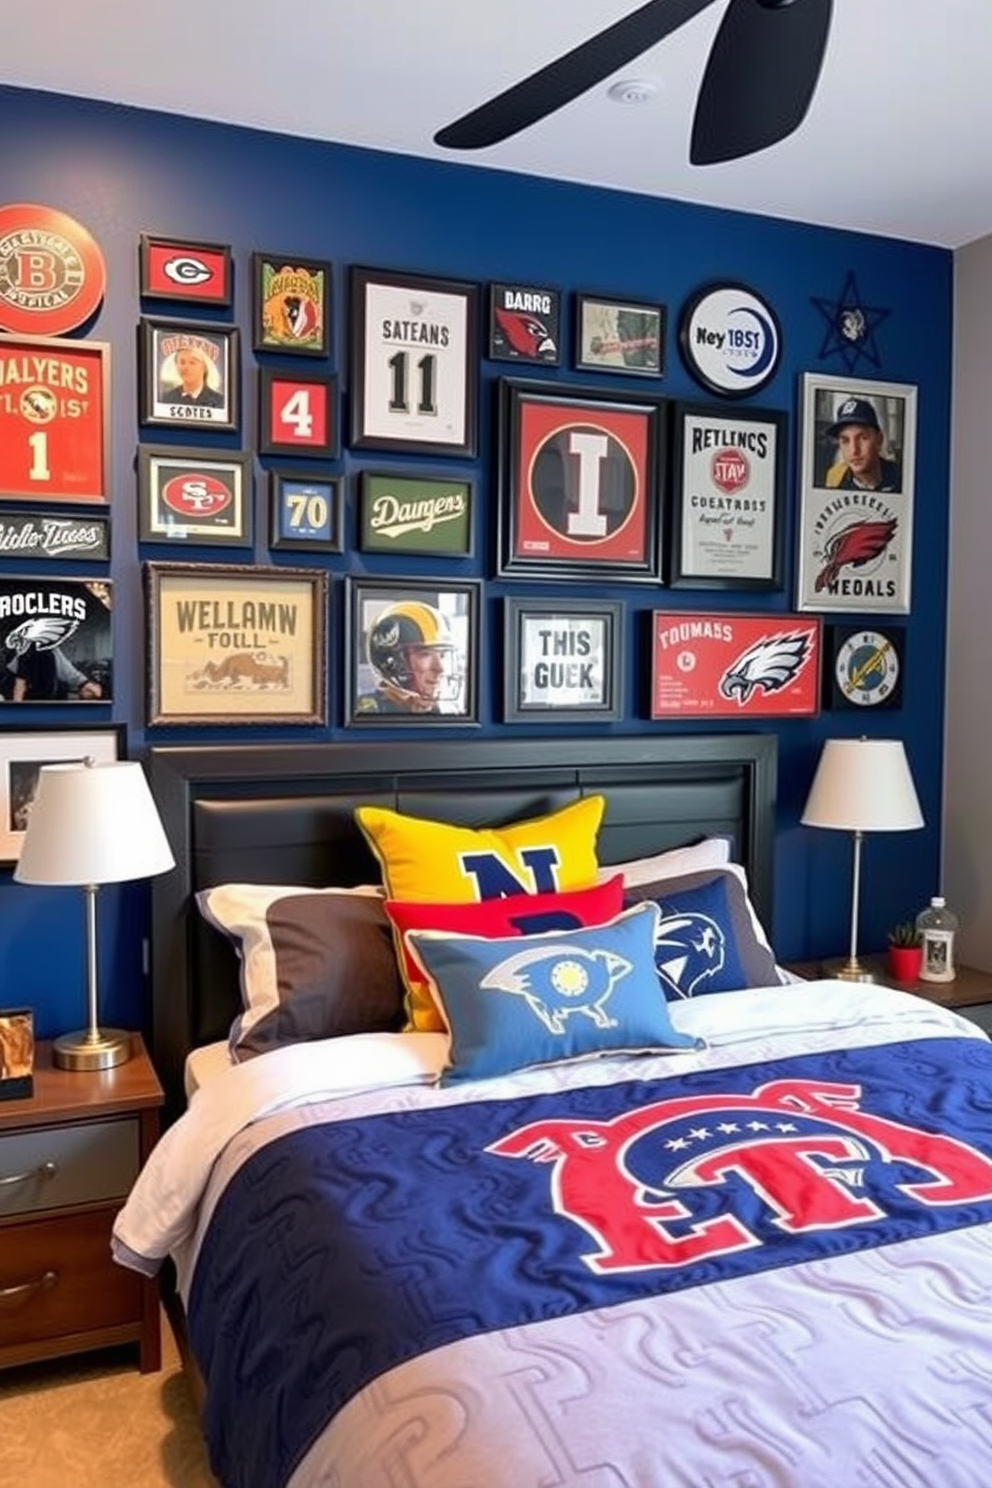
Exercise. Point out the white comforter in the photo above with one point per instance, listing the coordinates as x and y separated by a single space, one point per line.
868 1370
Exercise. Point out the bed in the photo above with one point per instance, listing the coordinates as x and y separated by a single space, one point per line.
738 1237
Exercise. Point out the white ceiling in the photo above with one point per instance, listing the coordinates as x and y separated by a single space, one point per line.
898 139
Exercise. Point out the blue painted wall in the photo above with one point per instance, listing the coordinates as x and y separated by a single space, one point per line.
122 172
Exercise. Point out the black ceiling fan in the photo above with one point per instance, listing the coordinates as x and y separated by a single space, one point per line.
757 87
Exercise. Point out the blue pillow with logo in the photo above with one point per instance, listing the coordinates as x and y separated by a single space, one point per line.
539 999
706 939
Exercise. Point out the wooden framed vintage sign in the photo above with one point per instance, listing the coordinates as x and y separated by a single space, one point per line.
580 481
194 496
563 661
55 640
54 419
734 666
856 491
727 494
414 363
235 644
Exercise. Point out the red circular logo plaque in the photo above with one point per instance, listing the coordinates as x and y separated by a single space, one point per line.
52 273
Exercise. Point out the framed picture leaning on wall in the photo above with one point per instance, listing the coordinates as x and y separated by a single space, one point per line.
856 492
414 363
411 651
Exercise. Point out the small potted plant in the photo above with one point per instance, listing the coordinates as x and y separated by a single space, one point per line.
905 952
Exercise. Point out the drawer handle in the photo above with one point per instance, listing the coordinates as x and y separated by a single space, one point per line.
44 1170
16 1296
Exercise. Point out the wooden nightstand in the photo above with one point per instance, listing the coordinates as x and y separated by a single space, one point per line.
68 1157
968 989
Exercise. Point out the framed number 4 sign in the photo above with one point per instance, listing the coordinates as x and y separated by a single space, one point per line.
414 369
297 414
54 419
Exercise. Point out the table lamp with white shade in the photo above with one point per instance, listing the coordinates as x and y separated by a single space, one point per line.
92 824
861 785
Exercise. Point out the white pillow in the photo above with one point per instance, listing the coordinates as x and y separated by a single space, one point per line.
712 852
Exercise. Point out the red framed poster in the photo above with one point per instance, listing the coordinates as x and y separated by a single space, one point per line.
54 419
297 414
580 483
734 666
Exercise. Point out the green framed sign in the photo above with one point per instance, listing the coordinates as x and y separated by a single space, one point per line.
415 514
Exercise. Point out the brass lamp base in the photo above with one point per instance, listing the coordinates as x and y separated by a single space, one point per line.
850 970
92 1049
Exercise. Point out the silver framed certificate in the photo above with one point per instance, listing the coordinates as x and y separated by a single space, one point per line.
727 485
414 363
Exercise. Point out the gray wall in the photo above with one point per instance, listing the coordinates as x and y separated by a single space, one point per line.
967 850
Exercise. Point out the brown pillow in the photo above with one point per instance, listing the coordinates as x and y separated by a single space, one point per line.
315 963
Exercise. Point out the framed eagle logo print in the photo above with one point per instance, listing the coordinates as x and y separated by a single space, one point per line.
864 667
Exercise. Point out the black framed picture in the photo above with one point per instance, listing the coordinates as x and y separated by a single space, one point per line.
407 513
580 480
411 651
56 641
414 363
562 661
291 304
188 375
297 413
619 335
727 491
524 324
184 269
194 496
864 666
306 512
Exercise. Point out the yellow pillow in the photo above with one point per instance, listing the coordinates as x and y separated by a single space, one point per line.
434 863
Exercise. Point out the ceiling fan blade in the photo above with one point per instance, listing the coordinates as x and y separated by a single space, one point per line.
563 80
760 77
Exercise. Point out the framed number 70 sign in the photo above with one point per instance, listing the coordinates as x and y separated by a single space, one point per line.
414 363
54 419
297 414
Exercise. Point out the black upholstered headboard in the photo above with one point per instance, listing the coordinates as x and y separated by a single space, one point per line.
284 814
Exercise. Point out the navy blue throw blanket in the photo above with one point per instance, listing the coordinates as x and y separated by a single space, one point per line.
343 1249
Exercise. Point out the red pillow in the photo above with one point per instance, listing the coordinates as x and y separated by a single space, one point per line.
515 914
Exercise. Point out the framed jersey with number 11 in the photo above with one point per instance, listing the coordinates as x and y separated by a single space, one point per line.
54 419
414 363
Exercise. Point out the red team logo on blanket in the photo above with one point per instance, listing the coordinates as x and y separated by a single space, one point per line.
642 1183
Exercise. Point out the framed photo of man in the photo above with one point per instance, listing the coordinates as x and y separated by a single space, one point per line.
411 652
856 491
189 375
414 363
22 754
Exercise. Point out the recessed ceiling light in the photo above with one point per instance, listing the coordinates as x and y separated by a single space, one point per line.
633 90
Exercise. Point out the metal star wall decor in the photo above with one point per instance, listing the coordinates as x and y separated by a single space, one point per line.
851 326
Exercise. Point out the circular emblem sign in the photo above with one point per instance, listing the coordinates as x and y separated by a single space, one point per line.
52 273
730 340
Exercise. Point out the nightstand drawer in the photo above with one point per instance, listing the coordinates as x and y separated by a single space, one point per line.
55 1166
57 1279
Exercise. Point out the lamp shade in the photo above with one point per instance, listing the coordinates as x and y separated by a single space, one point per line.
863 785
93 824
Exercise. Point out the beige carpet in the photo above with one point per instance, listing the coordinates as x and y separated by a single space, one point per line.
95 1422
